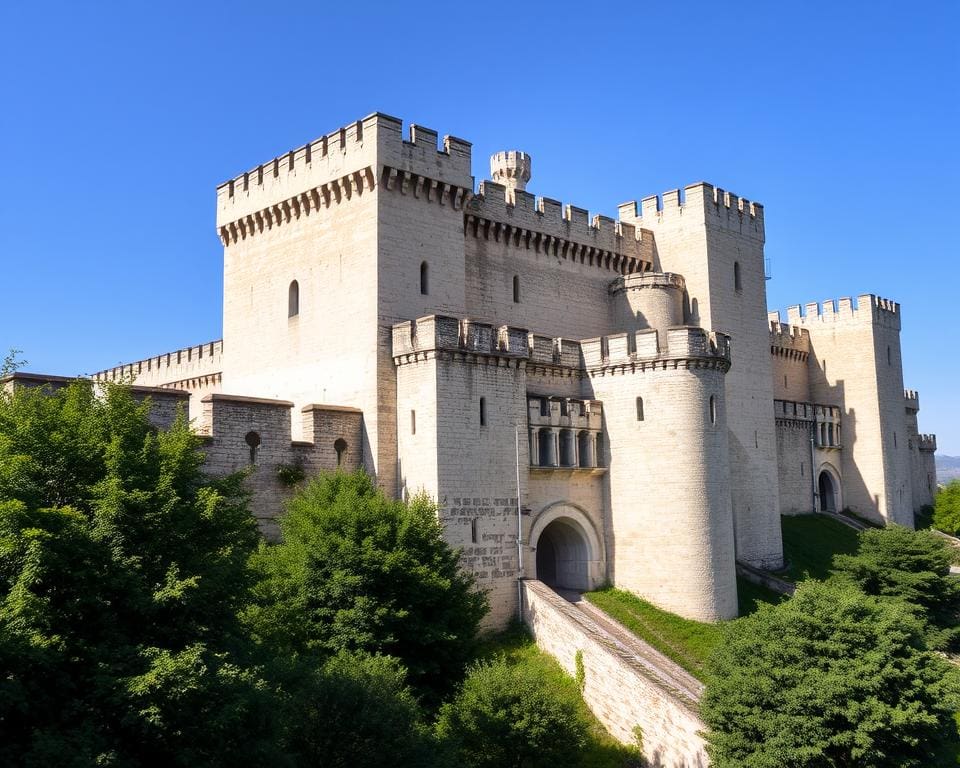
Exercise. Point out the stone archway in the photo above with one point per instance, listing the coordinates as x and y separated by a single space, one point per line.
567 551
828 490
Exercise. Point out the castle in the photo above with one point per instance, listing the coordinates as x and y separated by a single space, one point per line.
587 399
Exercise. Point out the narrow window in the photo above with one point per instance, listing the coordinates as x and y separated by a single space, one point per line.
785 381
340 446
483 411
756 439
888 355
801 469
639 409
413 422
473 531
736 276
894 439
424 278
516 289
713 409
253 440
293 299
824 367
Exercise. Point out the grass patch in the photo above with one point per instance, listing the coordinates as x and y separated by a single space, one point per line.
751 596
687 642
517 646
811 541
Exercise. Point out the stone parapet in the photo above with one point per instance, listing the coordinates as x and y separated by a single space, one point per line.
442 333
640 281
927 443
866 308
682 343
911 400
788 340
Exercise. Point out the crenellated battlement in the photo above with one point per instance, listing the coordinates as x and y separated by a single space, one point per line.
683 343
866 308
717 206
434 333
911 399
170 368
788 340
927 443
640 281
547 226
338 167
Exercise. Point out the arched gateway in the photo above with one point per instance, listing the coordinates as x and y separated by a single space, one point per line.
827 491
568 552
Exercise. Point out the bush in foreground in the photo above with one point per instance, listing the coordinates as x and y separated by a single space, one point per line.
511 715
831 677
946 508
909 565
359 572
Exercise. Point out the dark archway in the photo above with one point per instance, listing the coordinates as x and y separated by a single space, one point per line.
828 494
563 556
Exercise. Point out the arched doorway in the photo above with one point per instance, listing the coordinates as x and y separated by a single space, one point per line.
828 492
563 556
566 549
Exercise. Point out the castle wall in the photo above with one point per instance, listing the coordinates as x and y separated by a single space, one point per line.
795 474
849 366
715 240
476 462
923 470
231 419
619 691
197 370
670 523
564 263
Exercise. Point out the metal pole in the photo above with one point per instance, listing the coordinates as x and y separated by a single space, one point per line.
519 532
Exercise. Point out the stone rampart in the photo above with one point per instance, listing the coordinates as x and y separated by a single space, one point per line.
567 232
718 207
621 692
911 400
866 308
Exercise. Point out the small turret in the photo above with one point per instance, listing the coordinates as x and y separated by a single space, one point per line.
511 168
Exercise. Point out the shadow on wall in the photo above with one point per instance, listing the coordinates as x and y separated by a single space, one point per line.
852 484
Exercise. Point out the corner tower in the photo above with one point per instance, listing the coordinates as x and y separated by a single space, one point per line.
715 240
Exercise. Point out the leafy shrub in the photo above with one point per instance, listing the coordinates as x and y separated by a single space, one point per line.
512 716
946 508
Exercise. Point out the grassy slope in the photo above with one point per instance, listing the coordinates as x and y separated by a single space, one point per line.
811 541
603 751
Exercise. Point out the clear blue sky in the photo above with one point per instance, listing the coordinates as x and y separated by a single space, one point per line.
118 120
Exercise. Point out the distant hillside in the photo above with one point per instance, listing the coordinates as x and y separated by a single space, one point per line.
948 468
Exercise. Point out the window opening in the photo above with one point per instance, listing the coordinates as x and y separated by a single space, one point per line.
340 446
293 299
424 278
253 440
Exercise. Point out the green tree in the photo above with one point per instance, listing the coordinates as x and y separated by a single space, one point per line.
359 572
946 508
909 565
354 710
832 677
122 569
513 715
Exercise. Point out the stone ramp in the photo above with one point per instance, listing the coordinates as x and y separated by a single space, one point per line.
661 669
632 688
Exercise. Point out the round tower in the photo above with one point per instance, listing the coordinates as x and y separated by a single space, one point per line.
511 168
649 300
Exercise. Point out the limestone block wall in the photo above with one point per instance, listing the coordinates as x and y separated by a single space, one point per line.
794 459
855 362
715 240
563 262
648 300
616 688
671 529
254 435
923 470
790 351
197 370
478 373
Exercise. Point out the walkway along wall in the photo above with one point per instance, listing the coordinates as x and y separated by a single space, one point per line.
616 688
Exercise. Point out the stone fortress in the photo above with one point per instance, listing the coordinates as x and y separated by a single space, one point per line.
587 399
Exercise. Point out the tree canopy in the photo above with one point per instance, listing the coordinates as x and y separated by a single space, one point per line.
946 508
359 572
121 572
831 677
908 565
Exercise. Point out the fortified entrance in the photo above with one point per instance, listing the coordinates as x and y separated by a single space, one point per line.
566 550
828 492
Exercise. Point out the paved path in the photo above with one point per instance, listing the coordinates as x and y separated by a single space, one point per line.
661 669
